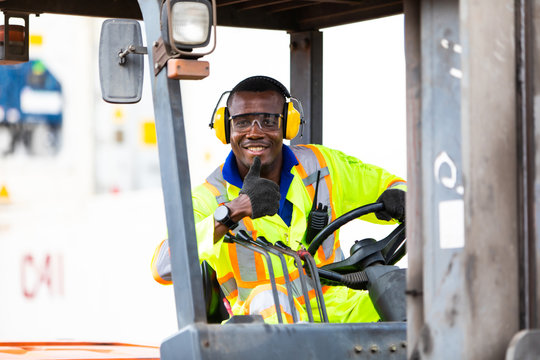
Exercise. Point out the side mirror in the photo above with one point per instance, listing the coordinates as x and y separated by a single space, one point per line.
121 65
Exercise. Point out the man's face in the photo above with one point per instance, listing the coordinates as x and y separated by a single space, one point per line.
255 141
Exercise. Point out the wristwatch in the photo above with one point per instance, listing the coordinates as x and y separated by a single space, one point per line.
222 215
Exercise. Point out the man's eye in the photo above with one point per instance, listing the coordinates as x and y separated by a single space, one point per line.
269 121
242 123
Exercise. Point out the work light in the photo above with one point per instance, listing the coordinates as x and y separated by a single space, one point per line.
187 25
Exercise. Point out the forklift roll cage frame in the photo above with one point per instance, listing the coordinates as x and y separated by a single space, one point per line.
472 202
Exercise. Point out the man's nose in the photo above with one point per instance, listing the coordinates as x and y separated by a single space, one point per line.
255 128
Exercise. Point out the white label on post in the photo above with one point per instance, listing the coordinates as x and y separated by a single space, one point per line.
451 224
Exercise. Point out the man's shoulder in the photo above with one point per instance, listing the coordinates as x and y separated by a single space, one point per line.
317 149
214 178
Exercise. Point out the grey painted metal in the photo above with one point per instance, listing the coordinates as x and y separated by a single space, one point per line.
386 286
438 141
306 82
294 341
175 181
526 166
525 345
490 303
415 307
534 246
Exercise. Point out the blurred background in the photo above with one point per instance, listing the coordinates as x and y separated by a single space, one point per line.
81 208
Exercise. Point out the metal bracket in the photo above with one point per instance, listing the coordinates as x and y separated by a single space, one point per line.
131 49
160 55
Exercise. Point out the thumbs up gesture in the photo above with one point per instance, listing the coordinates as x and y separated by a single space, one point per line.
263 193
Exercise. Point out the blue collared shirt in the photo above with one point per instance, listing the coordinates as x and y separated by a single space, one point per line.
232 176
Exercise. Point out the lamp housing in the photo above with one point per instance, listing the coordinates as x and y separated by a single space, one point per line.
187 25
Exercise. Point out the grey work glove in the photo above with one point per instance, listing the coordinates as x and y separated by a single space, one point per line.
263 193
394 205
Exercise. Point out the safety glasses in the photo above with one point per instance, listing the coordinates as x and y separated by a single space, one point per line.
266 121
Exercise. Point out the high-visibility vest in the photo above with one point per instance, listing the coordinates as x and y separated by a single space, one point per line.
246 276
240 270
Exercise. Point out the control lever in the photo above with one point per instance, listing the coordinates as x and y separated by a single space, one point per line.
310 262
266 245
243 239
280 246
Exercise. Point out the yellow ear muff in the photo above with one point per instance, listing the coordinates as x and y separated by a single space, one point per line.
293 121
220 119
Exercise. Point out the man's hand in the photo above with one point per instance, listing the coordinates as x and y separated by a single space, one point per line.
263 193
394 205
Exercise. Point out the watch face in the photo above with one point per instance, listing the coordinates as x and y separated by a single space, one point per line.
221 213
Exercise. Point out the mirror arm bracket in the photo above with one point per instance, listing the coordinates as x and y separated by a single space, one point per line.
131 49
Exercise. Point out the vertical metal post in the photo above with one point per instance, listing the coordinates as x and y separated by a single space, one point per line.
490 260
526 165
415 308
534 249
306 82
173 161
437 205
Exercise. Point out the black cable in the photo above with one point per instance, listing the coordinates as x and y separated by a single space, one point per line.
357 280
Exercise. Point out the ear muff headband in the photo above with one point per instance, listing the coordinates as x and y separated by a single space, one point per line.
292 118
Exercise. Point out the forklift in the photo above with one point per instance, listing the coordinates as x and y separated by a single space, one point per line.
471 284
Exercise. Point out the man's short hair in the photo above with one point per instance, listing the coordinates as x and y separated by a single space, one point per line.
259 83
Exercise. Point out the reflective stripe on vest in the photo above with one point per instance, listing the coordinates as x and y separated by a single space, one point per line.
161 264
396 183
308 167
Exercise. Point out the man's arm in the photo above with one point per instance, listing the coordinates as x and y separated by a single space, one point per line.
239 208
356 183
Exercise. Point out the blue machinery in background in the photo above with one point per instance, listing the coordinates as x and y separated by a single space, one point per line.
30 99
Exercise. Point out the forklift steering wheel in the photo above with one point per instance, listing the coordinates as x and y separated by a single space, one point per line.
387 251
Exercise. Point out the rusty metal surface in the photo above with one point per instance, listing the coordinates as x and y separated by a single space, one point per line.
490 259
534 236
439 156
385 340
415 309
98 8
525 48
307 83
275 14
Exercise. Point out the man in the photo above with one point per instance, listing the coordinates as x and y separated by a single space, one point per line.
268 189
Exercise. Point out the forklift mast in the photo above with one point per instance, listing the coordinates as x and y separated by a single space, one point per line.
472 177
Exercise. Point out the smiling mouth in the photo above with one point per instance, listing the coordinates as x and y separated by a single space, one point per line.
255 148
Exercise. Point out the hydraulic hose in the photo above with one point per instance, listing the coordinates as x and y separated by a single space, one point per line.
356 281
340 221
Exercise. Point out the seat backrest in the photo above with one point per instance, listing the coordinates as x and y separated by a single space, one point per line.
213 295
